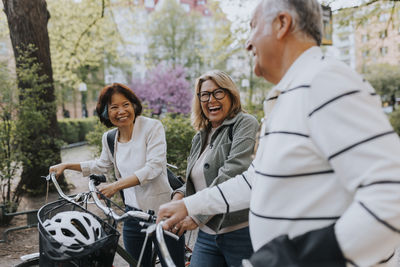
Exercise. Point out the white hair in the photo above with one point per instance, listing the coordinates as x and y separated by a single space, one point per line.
306 16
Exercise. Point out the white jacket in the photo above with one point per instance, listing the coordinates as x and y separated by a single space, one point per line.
148 163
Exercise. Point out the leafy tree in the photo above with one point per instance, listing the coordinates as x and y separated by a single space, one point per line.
38 146
385 79
165 89
171 33
8 146
189 39
27 21
82 43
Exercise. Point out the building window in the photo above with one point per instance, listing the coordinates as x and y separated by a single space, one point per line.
344 52
383 50
365 38
383 34
384 17
365 53
344 38
149 3
186 7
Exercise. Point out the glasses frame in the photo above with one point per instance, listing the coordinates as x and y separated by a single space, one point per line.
213 94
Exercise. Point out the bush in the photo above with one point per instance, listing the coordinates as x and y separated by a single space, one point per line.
95 135
179 134
75 130
395 120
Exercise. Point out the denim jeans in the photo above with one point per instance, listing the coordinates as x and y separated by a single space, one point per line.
134 239
222 249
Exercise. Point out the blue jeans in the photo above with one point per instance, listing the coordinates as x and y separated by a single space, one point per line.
222 249
134 239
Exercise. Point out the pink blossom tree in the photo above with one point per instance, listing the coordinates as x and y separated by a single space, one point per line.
165 88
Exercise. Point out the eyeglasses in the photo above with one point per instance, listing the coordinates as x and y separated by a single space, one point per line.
217 94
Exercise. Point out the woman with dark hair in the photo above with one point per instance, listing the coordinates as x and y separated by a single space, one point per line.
139 162
221 149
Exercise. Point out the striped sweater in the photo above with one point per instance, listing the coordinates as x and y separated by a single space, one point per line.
327 154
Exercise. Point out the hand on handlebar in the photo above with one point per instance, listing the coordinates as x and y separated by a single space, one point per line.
174 212
186 224
57 169
108 190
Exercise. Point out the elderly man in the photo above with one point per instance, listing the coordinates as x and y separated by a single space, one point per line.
324 187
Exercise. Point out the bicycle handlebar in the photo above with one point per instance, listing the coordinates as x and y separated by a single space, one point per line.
96 180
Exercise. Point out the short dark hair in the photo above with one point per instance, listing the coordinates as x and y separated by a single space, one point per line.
105 100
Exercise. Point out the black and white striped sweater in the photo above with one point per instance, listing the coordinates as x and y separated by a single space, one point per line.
327 154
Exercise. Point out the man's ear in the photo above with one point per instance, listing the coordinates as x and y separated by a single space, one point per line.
283 24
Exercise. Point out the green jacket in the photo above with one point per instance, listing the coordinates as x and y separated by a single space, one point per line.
230 154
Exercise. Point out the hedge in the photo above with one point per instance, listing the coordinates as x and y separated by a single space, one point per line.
395 120
75 130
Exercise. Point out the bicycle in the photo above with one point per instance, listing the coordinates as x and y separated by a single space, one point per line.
102 251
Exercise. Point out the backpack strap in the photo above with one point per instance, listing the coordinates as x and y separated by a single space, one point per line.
230 132
111 142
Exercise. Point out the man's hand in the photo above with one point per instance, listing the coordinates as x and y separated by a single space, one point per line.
186 224
174 212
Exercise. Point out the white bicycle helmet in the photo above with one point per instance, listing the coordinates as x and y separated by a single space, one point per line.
73 229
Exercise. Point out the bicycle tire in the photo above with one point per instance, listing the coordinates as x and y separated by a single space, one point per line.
29 263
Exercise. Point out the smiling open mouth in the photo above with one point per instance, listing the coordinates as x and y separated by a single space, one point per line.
214 109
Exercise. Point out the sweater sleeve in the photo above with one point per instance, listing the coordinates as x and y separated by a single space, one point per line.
349 127
101 165
232 195
156 150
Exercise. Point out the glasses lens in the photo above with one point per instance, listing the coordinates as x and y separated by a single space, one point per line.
219 94
204 96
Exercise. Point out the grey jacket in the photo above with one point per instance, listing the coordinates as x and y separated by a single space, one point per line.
228 157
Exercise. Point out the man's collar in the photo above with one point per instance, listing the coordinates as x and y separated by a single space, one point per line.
298 66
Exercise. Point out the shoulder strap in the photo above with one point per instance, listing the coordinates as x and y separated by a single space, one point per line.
230 132
111 140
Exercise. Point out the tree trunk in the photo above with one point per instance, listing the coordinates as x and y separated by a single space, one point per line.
27 22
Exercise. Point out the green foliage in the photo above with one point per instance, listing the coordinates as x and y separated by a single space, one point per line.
385 79
179 134
34 116
81 44
395 120
9 150
188 39
94 136
75 130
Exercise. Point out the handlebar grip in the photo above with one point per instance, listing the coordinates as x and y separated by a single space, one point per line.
98 178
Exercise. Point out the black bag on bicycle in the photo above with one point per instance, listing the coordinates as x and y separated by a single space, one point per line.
99 252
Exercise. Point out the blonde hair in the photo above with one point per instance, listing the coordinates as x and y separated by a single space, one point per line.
222 80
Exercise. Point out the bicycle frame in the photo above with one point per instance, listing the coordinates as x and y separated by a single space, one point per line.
109 212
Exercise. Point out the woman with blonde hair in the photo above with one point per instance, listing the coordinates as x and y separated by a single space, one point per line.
221 149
